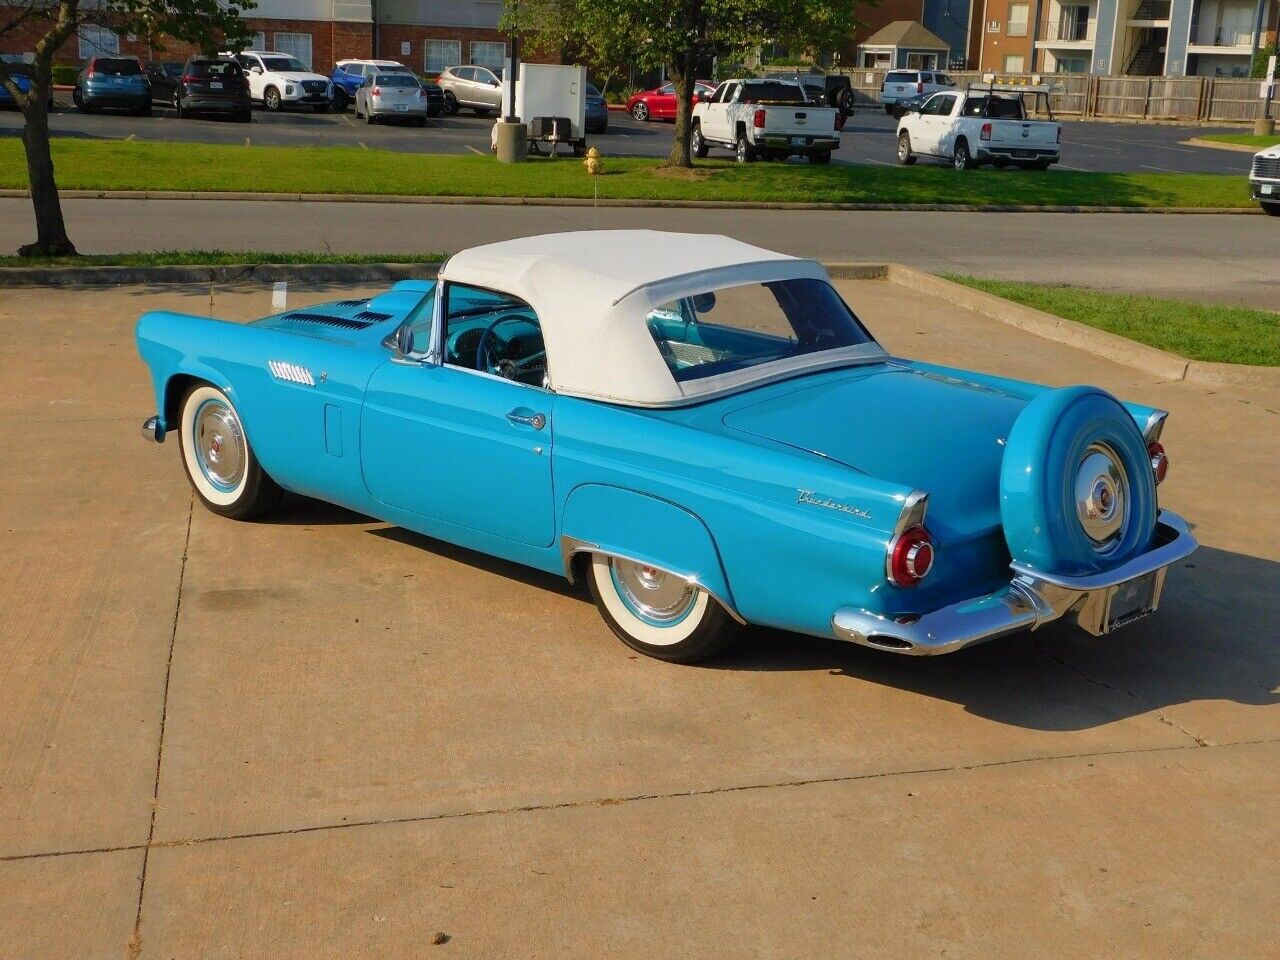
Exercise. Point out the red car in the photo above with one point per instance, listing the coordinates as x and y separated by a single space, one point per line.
660 104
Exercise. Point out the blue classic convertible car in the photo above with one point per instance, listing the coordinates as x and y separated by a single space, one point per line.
700 429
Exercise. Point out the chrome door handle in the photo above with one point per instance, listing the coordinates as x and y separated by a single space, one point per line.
535 420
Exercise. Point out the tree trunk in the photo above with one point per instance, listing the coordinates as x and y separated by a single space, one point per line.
51 229
681 72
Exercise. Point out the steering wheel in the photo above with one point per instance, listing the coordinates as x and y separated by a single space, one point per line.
509 369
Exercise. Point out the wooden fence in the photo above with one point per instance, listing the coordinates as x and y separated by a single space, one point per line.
1140 98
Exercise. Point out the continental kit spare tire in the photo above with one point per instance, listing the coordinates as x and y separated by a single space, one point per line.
1077 494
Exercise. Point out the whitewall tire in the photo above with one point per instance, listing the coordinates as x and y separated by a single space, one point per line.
219 459
658 613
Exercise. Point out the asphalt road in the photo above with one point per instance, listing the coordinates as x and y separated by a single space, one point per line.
1229 259
868 138
320 736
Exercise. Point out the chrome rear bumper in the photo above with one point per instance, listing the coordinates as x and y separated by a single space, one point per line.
1030 600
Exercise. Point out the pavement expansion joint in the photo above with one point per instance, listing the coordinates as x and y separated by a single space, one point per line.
633 798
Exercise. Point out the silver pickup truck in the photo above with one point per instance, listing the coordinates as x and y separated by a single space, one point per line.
982 124
765 119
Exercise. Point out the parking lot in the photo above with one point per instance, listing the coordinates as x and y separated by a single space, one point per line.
868 138
326 737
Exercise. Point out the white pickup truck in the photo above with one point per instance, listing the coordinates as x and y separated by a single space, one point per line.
766 119
985 123
1264 179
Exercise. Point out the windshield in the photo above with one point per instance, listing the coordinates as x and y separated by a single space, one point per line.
771 91
277 64
739 327
396 80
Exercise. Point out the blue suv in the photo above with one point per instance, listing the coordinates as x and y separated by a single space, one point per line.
118 82
348 76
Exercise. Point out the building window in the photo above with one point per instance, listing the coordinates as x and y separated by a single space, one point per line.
1071 64
95 41
1018 13
1014 63
922 61
295 44
487 53
440 55
258 41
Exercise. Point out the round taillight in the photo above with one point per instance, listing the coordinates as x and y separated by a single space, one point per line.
911 557
1159 461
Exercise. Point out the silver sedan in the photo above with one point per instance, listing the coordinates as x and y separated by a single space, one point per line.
395 95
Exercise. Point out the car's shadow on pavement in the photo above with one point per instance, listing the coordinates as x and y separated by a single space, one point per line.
1213 638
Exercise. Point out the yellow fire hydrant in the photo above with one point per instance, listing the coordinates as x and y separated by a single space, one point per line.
593 162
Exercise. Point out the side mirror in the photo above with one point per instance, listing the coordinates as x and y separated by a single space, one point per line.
404 342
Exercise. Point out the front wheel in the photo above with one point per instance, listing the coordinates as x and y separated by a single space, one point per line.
960 158
697 145
658 613
271 99
220 462
844 101
640 112
905 157
1271 209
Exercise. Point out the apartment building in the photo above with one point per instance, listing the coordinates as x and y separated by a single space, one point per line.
1132 37
427 35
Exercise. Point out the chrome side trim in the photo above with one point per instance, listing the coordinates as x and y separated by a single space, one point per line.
291 372
152 431
1154 426
914 507
572 546
1030 600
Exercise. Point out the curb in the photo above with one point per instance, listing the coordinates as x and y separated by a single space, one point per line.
1253 210
1109 346
1215 145
317 273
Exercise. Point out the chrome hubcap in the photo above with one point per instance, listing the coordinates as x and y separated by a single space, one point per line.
1101 493
220 444
652 594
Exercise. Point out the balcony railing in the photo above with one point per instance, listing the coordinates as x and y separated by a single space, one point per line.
1066 31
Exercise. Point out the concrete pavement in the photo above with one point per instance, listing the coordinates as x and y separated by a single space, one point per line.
1227 259
324 737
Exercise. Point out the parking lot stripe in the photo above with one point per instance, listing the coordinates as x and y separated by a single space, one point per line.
363 144
347 119
479 153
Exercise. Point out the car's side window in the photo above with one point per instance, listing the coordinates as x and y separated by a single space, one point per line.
945 105
718 96
493 332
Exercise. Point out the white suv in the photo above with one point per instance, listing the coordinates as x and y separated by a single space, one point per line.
277 80
904 84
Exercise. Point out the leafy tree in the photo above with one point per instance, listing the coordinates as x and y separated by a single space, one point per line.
680 34
203 23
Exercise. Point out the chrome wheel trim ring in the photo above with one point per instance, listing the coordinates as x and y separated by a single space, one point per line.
658 598
1102 497
219 444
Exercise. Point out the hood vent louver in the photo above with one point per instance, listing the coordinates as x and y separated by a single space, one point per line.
344 323
371 316
351 303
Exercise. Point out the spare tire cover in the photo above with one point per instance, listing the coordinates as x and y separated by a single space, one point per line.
1077 494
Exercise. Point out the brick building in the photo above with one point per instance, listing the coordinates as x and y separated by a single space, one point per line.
426 35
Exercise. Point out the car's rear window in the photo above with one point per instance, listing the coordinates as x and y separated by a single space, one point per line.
117 66
771 91
900 78
744 326
998 108
214 68
396 80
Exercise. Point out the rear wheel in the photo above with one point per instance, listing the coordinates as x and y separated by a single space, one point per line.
960 158
746 153
821 157
1040 165
697 145
145 110
905 157
220 462
658 613
177 104
889 108
369 118
340 99
450 103
844 100
1271 209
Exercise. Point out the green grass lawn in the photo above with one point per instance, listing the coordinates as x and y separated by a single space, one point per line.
1194 330
139 165
1246 139
183 258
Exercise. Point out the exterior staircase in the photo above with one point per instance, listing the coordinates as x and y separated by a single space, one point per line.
1152 10
1148 59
